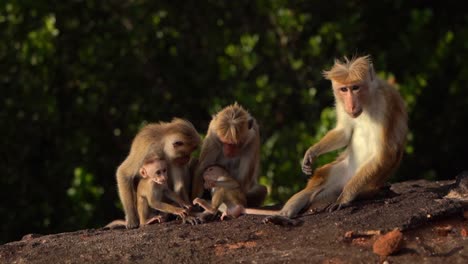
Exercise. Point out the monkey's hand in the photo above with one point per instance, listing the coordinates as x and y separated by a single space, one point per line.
191 220
308 160
180 212
187 206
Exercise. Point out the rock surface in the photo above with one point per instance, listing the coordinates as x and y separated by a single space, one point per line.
417 208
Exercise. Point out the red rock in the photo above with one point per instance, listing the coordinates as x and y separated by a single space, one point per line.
389 243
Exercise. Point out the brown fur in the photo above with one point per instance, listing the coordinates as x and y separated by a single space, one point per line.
233 125
176 140
382 121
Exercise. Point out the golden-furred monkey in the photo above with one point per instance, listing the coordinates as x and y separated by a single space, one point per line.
371 124
176 140
233 141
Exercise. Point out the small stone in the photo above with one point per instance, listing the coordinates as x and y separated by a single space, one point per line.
444 230
464 232
389 243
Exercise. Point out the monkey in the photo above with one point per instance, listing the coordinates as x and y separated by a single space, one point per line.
225 190
177 140
151 190
371 124
233 141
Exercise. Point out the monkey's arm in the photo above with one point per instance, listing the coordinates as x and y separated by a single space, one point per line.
176 198
127 196
205 205
333 140
249 166
208 156
166 208
227 183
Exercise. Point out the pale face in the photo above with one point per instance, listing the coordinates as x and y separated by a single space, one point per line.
156 171
352 96
178 149
212 173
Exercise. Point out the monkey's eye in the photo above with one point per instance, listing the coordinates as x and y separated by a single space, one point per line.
164 171
344 89
178 143
355 87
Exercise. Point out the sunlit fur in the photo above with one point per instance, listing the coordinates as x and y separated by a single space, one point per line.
349 71
232 124
374 142
152 139
225 190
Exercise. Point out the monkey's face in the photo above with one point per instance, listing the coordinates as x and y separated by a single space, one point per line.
179 148
352 96
231 150
156 171
212 173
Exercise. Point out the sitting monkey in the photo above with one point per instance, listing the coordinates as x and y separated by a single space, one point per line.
151 191
153 188
225 190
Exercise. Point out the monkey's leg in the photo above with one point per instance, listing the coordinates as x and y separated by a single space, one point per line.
357 184
143 210
127 196
233 211
302 199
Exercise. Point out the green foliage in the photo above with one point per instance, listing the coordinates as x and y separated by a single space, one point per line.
79 78
83 195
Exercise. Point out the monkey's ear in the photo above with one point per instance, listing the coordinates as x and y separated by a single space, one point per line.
143 172
371 72
251 123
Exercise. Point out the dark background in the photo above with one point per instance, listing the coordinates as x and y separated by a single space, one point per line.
78 79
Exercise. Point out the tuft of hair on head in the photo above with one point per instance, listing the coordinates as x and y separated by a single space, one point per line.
232 123
224 168
185 128
349 71
153 155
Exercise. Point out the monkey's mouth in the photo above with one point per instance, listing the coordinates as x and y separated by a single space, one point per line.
356 114
160 182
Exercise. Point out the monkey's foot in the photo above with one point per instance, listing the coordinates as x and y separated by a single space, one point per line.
282 221
156 219
132 224
207 217
226 216
191 220
336 206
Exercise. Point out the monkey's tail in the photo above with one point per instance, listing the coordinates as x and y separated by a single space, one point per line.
116 224
254 211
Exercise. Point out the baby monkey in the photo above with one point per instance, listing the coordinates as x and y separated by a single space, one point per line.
225 190
151 191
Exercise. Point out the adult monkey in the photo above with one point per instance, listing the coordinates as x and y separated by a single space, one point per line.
177 140
371 122
233 141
